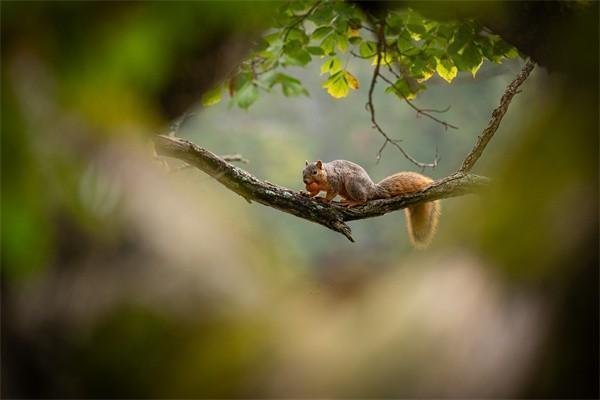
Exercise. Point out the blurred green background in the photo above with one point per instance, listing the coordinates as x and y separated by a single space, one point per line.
121 279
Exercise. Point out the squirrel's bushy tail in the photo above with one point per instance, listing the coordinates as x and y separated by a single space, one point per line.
421 222
422 219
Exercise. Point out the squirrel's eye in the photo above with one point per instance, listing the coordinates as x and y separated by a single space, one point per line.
314 172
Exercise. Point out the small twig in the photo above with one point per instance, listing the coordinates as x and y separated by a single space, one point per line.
433 110
497 115
426 113
420 111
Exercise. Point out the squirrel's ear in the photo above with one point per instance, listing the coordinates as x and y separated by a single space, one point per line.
306 162
320 164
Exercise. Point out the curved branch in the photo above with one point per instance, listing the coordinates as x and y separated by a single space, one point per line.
331 215
497 115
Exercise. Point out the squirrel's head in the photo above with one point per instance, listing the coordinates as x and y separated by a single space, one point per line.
314 172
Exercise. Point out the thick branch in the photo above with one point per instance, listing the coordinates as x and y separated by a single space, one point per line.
332 215
497 115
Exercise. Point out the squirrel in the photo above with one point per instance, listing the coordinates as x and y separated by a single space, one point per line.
353 184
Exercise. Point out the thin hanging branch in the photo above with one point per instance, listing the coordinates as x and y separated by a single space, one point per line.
497 115
331 215
371 108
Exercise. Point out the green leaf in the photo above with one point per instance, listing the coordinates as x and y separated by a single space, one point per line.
401 89
460 38
404 44
273 38
300 57
512 53
422 68
328 44
415 25
394 22
321 32
416 29
315 50
246 95
342 43
213 96
459 61
446 69
434 52
445 30
341 25
322 15
297 34
472 58
296 54
367 49
238 81
355 40
289 86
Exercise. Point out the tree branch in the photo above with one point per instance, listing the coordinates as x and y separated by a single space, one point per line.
497 115
332 215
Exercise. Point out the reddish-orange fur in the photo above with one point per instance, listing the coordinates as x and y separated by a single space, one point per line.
422 219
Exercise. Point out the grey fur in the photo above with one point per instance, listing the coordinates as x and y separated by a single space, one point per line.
348 179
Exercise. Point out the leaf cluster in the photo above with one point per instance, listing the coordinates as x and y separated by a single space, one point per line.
414 49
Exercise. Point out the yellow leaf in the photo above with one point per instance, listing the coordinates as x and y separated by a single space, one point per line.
446 70
426 76
337 86
352 81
